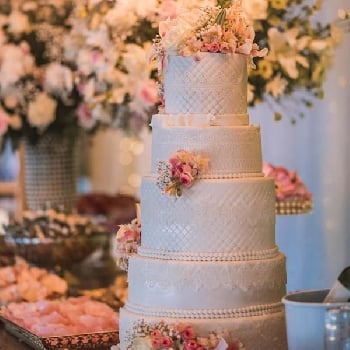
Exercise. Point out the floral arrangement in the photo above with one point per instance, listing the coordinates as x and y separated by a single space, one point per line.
208 29
181 170
37 90
292 196
178 336
301 51
126 242
110 41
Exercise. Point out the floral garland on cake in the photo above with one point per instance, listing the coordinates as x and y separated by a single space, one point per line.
179 336
180 171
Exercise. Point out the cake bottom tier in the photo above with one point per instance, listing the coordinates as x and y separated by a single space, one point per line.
260 330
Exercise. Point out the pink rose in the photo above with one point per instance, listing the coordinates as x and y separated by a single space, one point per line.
156 343
168 9
176 171
85 117
188 333
176 167
190 345
186 179
156 333
167 342
96 56
148 92
213 47
130 235
4 122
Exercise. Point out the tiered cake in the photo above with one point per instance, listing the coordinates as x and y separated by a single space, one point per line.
209 257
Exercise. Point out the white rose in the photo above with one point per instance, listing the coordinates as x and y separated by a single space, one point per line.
255 9
101 114
42 111
15 63
121 20
18 23
135 61
142 343
99 38
84 62
58 79
145 8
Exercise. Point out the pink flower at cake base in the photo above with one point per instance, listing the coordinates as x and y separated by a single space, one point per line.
178 336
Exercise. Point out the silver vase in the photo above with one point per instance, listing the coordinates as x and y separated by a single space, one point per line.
50 173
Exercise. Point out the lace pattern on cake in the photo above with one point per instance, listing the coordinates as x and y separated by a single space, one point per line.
233 151
214 84
192 256
250 229
250 311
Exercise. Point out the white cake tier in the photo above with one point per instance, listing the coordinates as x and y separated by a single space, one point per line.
204 288
215 219
233 151
256 330
214 84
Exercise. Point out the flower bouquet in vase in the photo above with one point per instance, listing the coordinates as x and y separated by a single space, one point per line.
39 98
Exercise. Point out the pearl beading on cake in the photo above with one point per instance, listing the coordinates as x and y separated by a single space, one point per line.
250 311
192 256
199 120
230 175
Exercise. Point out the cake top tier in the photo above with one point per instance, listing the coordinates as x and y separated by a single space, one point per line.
208 29
202 61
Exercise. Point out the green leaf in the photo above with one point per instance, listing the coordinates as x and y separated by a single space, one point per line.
221 17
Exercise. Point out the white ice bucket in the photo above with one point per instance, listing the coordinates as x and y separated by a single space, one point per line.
305 314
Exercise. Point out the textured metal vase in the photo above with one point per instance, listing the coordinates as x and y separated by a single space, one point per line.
50 169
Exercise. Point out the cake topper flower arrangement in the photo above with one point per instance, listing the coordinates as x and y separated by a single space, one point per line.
37 90
213 29
180 171
179 336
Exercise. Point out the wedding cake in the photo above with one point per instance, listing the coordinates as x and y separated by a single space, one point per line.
208 255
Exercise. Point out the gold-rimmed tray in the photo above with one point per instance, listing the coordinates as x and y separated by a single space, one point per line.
87 341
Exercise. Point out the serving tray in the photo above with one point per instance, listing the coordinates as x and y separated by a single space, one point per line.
97 341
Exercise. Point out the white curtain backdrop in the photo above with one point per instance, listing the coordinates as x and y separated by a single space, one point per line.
317 245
